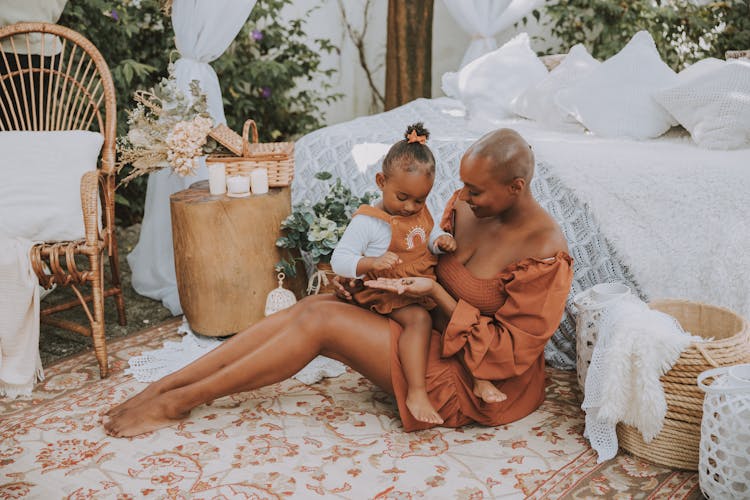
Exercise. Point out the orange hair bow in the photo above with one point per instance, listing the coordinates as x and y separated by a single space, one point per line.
413 137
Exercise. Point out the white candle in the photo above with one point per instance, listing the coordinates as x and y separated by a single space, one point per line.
217 178
238 184
259 181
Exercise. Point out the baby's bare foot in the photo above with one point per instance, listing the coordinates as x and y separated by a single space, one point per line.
420 407
487 392
151 415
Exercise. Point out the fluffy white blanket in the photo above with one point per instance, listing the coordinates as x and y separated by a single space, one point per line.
635 347
677 214
20 366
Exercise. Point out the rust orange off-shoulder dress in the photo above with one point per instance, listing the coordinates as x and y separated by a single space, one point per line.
496 332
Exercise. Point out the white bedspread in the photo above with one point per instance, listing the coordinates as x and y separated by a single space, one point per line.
664 216
677 214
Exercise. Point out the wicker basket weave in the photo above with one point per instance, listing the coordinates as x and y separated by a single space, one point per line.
276 157
678 443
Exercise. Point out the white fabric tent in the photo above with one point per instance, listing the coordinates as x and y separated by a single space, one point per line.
203 31
485 19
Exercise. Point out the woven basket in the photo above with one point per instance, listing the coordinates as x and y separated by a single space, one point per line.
276 157
678 443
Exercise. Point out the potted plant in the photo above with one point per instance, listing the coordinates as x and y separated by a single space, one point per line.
312 231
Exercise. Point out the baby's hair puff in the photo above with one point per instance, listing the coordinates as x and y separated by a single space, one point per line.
412 153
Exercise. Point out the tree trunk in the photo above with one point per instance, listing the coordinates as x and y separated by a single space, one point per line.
408 69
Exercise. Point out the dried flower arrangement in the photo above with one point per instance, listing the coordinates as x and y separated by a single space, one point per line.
166 129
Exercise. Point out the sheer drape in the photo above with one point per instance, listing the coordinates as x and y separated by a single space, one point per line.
484 19
203 31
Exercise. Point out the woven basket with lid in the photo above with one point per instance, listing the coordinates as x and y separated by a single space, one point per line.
677 445
276 157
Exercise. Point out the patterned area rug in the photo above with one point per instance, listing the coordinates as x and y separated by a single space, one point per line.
340 438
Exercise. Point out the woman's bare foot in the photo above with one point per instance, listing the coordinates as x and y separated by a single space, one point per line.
420 407
149 392
487 392
153 414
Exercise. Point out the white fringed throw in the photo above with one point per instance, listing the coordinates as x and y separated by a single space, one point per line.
20 365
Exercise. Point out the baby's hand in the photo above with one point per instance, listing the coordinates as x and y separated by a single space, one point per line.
446 243
385 261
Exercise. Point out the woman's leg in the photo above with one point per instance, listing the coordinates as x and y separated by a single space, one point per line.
342 331
229 351
413 345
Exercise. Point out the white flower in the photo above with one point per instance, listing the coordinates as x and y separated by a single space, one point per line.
138 137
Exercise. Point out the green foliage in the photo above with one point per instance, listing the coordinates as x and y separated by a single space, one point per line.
264 77
684 32
135 38
317 229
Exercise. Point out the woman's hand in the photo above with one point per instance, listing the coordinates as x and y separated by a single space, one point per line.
346 287
413 287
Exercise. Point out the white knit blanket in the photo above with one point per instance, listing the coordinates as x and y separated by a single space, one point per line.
20 365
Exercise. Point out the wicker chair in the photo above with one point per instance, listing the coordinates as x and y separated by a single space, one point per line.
68 89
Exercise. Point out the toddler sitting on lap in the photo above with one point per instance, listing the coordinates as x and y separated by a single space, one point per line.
396 238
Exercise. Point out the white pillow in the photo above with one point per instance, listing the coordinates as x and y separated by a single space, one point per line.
615 99
488 84
40 192
712 101
538 101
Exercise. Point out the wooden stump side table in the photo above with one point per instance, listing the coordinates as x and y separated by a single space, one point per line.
224 254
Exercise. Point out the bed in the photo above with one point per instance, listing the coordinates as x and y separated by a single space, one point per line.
663 216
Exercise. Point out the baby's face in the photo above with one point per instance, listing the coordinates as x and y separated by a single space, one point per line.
404 193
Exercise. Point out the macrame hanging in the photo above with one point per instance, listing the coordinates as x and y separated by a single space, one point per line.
279 298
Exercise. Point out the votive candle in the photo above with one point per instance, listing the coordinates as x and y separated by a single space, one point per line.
259 181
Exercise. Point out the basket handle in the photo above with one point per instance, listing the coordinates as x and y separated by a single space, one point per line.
245 143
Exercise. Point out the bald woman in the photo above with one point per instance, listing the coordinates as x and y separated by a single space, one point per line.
500 297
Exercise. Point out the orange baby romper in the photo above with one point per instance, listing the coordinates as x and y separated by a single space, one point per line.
497 332
410 240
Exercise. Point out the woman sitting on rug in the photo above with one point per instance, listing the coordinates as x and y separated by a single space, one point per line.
500 297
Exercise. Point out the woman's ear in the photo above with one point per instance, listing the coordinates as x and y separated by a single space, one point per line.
380 179
517 185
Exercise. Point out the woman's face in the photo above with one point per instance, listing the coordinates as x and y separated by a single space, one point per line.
404 193
486 195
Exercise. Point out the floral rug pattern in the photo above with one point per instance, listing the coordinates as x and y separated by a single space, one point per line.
340 438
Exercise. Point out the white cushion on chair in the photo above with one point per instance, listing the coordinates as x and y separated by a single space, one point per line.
40 182
615 99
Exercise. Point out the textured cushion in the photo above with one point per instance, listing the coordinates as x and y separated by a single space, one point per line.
488 84
712 101
538 101
615 99
40 193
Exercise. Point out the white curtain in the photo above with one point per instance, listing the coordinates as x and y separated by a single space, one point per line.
203 31
484 19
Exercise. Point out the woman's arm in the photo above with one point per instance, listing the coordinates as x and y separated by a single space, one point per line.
506 344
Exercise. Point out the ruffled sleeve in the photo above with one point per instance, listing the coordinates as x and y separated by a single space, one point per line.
507 344
446 221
